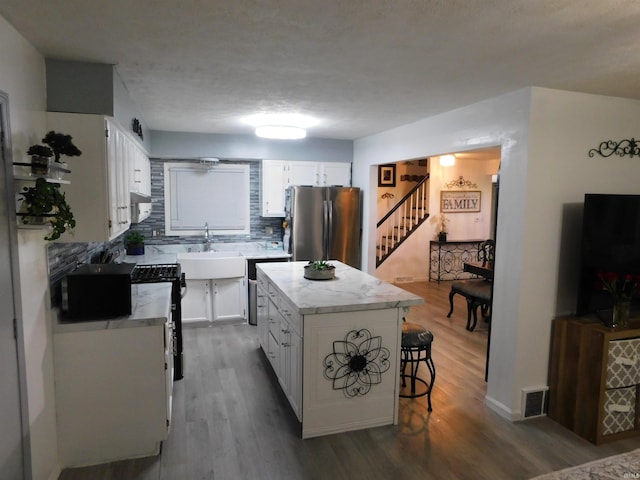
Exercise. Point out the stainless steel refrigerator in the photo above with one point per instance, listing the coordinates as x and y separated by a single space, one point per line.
323 223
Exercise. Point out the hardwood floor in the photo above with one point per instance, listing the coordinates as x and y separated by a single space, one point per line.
230 420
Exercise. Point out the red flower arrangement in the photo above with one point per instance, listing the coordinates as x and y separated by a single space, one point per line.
621 287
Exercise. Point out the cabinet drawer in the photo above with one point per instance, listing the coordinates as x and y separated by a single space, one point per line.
262 282
273 293
290 314
619 410
274 322
623 367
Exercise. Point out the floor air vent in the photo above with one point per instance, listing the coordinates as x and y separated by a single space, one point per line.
534 402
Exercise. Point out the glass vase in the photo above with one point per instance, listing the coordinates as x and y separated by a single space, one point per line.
620 313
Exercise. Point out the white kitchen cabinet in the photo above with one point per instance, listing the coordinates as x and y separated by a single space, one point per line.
291 362
334 174
99 192
319 174
229 297
277 175
262 312
196 304
302 173
283 346
139 172
139 184
273 187
114 385
210 301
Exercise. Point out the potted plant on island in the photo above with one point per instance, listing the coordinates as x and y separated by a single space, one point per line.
44 203
319 270
134 243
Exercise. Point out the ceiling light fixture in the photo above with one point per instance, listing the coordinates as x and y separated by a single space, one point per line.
447 160
281 132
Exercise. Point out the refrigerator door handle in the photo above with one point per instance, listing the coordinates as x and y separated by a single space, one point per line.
325 228
329 228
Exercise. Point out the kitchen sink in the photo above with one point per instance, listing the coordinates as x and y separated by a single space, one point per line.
212 265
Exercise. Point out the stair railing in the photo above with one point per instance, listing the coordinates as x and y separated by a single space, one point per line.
400 221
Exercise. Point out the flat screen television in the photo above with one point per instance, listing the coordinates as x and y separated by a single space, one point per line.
610 244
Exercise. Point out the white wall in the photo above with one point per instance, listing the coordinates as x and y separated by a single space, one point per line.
22 77
545 170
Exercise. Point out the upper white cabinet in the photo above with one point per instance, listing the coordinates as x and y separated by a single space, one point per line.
99 193
334 174
277 175
303 173
273 186
140 172
139 185
319 174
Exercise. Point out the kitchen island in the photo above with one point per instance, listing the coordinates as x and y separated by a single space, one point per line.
334 345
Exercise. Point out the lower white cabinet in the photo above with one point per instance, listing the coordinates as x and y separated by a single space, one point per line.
229 296
262 313
196 304
214 300
113 393
283 347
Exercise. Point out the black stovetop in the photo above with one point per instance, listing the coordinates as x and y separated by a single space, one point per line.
161 272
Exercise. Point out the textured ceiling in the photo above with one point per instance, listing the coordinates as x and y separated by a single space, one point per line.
358 66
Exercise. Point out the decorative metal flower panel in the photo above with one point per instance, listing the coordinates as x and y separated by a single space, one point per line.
356 363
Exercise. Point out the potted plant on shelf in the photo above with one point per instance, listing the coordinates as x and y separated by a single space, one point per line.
134 243
319 270
41 157
61 144
44 203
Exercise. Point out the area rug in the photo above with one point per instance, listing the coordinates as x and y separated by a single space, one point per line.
618 467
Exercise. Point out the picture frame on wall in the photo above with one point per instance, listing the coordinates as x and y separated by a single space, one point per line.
460 201
386 175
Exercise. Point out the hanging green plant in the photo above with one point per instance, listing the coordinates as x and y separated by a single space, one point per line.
45 203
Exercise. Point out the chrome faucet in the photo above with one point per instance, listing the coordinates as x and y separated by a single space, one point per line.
207 238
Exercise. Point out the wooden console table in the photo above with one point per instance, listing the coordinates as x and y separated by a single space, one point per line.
447 259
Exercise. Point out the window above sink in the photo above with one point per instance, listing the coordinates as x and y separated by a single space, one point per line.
216 195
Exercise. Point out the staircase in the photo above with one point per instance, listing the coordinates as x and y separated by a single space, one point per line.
402 220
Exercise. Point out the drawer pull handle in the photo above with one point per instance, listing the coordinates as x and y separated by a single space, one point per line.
618 408
627 362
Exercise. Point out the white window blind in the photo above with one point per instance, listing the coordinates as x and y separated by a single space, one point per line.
217 195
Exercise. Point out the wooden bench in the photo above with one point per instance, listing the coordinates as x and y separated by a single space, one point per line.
477 293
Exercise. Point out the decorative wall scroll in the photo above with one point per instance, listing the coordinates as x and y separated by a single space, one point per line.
386 175
460 201
607 148
460 183
356 363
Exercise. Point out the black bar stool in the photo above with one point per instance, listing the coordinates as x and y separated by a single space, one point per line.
415 348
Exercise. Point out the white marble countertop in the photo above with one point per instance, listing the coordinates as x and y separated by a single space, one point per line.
349 291
151 305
